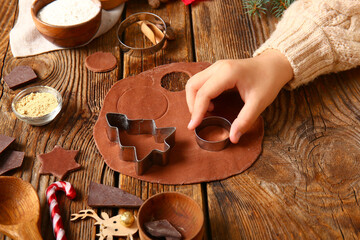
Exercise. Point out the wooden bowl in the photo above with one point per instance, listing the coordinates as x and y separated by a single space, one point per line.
19 209
110 4
180 210
66 36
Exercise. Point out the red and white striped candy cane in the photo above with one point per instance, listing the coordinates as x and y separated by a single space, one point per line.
57 223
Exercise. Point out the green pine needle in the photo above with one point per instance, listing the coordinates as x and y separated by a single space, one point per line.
255 6
258 7
279 6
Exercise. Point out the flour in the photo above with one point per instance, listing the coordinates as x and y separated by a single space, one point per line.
68 12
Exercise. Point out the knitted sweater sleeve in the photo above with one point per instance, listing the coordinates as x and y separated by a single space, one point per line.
318 37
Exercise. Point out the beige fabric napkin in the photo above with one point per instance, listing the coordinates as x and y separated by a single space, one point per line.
25 39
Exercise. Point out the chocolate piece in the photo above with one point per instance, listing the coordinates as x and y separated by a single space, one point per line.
5 142
19 76
188 163
10 160
101 62
58 162
162 228
106 196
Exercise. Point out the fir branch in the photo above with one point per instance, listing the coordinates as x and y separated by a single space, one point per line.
258 7
279 6
255 6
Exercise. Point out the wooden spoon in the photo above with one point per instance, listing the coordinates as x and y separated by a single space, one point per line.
151 31
19 209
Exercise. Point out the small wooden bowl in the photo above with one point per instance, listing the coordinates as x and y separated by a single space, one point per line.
66 36
110 4
180 210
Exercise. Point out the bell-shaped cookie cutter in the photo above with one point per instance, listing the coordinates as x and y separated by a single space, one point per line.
117 122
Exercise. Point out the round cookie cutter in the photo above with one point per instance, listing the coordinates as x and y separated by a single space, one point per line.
137 17
213 145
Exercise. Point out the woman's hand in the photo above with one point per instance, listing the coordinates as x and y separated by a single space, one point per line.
258 80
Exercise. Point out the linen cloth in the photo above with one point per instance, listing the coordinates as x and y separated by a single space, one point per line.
26 40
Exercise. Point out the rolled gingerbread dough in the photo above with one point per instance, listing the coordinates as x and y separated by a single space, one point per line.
143 97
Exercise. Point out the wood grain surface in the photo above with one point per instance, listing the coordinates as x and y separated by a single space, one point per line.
304 185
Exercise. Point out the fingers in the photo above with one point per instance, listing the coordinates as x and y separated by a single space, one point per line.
208 91
194 84
246 118
193 124
211 107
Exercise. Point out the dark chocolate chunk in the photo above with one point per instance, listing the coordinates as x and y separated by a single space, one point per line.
106 196
10 160
19 76
5 141
100 62
162 228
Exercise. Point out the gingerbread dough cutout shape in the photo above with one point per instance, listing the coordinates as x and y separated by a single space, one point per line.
143 97
59 162
101 62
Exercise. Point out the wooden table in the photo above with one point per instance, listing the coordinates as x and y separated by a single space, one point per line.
305 183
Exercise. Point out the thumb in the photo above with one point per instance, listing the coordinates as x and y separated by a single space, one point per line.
246 118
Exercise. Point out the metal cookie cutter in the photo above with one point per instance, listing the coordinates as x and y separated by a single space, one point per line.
119 122
213 145
142 16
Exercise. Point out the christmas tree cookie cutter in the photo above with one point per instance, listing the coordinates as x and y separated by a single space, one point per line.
117 122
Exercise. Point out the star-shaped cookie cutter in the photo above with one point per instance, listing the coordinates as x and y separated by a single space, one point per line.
117 122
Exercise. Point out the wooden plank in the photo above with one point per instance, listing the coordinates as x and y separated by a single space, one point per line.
179 50
8 13
221 30
83 93
305 183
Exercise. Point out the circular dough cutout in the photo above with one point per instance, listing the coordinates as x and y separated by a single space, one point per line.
143 103
101 62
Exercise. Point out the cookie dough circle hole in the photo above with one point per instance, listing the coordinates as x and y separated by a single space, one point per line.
174 81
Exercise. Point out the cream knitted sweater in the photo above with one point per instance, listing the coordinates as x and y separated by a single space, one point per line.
318 37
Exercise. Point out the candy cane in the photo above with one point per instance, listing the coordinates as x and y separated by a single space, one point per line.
57 223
